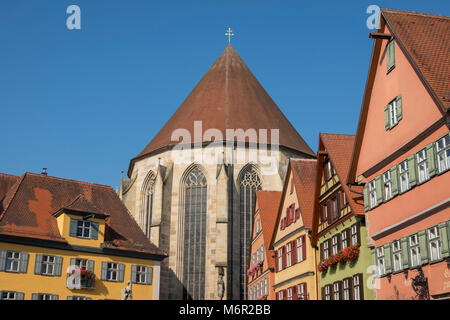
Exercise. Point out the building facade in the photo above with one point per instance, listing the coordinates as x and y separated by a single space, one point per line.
192 188
295 258
402 155
339 228
69 240
261 269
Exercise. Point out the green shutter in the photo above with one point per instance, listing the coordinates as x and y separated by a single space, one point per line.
34 296
394 179
73 228
387 118
19 295
23 265
379 189
38 264
133 274
149 275
405 252
431 159
94 230
90 265
399 108
54 297
2 260
366 197
58 266
443 237
390 55
104 270
388 257
121 272
412 170
69 297
423 243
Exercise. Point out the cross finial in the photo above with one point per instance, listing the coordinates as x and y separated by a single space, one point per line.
229 34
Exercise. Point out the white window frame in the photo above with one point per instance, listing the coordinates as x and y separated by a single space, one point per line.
83 226
403 175
288 254
334 245
141 274
397 255
344 240
329 170
354 234
12 261
381 265
327 292
48 263
112 271
372 194
414 249
280 295
299 249
44 296
422 165
434 243
387 184
289 293
336 293
346 288
356 288
443 153
325 250
301 291
9 295
393 116
280 259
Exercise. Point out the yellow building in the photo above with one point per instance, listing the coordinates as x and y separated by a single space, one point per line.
65 239
295 259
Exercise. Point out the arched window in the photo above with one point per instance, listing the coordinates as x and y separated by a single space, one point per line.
195 188
249 182
148 188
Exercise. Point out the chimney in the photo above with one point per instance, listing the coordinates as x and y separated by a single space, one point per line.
44 171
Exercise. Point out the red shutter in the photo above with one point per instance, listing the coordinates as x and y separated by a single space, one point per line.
283 259
288 220
276 261
294 293
304 247
292 184
294 251
329 212
305 292
285 294
282 224
338 199
321 213
297 213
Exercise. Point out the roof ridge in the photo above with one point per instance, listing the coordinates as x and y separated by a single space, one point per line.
414 13
70 180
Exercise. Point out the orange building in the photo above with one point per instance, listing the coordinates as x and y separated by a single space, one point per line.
261 262
402 155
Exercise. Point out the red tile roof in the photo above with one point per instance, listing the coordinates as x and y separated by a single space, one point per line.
268 202
28 212
340 148
304 174
426 37
7 181
228 97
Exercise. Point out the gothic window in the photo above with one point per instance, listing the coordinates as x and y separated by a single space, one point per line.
195 187
148 199
248 184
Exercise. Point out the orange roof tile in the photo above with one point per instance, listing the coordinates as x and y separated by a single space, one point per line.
29 211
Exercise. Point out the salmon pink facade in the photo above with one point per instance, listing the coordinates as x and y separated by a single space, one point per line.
402 156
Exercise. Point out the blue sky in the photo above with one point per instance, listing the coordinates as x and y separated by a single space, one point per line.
84 102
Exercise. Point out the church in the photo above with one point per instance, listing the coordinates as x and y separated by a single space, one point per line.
192 188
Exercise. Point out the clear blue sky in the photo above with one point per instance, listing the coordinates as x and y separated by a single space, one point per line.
84 102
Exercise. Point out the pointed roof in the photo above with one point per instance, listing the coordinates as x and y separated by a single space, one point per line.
426 40
268 202
339 148
32 202
228 96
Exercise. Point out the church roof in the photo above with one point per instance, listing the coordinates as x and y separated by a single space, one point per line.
228 96
28 212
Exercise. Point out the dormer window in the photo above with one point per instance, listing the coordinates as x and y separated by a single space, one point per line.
83 229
